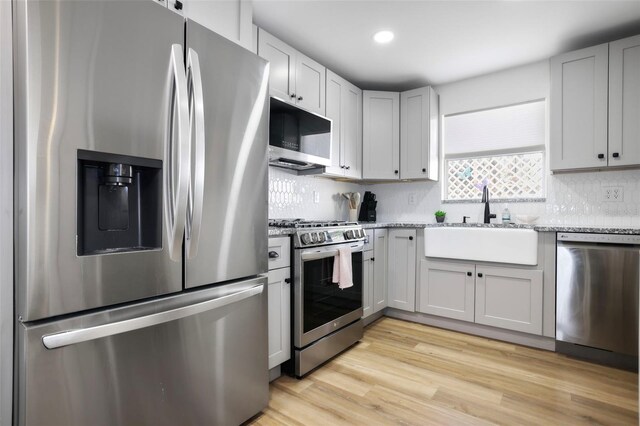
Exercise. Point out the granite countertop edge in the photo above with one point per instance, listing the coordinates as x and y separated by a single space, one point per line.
631 230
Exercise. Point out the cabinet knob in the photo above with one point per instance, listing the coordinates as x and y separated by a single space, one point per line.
616 154
424 170
178 5
601 156
293 95
347 167
373 259
469 274
479 274
410 238
273 255
287 280
395 171
299 98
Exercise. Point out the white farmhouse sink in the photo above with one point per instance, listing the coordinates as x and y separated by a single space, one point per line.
519 246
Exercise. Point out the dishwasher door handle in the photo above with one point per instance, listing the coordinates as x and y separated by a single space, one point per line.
72 337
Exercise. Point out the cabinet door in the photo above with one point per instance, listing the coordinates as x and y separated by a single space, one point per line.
509 298
624 102
282 59
352 131
380 135
367 284
310 84
579 86
401 258
334 104
279 316
231 19
380 270
418 134
447 289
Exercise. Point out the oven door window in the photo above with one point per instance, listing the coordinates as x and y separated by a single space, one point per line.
323 300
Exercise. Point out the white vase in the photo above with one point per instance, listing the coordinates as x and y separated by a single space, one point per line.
353 215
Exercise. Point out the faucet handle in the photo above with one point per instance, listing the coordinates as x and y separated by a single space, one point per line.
464 218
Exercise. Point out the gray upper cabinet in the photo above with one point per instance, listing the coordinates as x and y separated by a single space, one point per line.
344 107
624 102
231 19
400 135
294 77
579 108
419 134
595 106
380 135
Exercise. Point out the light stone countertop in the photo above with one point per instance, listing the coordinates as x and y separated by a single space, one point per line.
274 232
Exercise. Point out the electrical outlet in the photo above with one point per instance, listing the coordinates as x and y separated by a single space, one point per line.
316 197
612 194
412 198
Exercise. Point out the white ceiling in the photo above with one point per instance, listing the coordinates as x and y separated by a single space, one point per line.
438 42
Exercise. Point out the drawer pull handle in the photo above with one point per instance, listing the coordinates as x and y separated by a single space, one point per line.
479 274
273 255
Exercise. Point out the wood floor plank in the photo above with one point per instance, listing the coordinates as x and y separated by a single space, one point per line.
412 374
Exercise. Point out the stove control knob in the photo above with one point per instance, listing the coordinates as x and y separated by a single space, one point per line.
357 233
314 237
350 235
322 237
305 238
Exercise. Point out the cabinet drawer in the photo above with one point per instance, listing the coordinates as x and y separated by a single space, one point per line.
279 252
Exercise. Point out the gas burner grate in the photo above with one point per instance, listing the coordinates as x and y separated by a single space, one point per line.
300 223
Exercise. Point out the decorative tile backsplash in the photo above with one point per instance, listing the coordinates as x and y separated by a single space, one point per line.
292 196
609 198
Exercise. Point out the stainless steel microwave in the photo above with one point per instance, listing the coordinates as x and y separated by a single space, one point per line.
298 139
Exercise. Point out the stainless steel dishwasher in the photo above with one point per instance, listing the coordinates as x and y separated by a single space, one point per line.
597 279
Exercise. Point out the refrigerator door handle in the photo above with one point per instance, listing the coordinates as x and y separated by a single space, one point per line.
72 337
177 154
196 180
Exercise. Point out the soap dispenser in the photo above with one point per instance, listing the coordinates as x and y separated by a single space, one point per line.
506 216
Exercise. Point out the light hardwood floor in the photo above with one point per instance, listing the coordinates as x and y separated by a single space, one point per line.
406 373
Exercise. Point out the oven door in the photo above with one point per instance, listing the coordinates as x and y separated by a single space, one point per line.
320 306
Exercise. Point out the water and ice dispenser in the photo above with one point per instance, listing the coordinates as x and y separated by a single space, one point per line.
119 203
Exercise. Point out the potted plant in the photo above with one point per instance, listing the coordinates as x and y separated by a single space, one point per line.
440 215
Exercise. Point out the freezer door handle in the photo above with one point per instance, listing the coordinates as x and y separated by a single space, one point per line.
177 156
197 135
71 337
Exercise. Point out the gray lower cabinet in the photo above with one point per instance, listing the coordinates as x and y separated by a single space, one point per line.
367 283
447 289
380 267
374 274
509 298
401 282
505 297
279 316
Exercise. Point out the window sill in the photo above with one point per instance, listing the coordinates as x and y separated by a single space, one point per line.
497 200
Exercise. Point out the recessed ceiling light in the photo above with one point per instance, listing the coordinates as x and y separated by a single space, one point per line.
384 36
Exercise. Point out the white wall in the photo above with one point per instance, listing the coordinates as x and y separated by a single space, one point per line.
6 214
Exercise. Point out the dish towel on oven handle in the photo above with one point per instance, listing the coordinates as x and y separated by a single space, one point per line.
342 268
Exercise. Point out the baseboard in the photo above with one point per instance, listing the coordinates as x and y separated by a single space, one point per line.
373 317
274 373
539 342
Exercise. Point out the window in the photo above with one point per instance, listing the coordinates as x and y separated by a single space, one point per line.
501 147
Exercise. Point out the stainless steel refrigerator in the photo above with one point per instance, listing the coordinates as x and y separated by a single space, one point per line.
141 218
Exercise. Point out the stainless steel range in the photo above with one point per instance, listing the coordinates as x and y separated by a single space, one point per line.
326 319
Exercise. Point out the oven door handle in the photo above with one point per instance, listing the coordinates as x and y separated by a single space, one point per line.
325 252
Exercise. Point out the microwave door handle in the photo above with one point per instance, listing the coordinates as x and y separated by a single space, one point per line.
197 135
177 153
72 337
